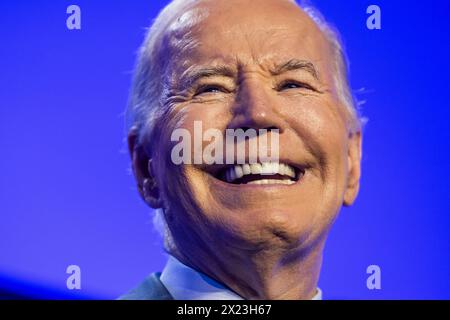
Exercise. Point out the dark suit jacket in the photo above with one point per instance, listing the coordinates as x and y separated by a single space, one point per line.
150 289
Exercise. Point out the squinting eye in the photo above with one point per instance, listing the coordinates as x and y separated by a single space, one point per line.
290 86
209 89
294 85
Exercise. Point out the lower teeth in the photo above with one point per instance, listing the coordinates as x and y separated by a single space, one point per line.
271 181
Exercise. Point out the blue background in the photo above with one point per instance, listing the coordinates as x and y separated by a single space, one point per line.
67 195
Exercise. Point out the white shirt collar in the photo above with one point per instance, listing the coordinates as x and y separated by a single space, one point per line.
185 283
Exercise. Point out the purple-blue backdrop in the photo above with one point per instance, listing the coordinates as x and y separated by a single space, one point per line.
67 196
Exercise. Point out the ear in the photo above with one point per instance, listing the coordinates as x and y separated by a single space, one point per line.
143 172
354 167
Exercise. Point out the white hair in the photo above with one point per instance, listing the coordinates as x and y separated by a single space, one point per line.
144 109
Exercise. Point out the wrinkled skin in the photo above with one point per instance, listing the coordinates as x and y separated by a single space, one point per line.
262 241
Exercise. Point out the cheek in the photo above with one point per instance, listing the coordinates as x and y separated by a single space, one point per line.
184 184
319 123
199 118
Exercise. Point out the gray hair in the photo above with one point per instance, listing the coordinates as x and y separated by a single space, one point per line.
144 105
144 109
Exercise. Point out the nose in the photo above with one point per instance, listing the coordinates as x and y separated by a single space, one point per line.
256 108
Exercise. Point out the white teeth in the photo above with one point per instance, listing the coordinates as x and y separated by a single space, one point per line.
266 168
270 168
272 181
238 171
289 171
256 168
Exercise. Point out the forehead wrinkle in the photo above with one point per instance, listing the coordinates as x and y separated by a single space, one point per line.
185 25
184 35
186 53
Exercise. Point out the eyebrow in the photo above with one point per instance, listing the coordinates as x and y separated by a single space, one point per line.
192 75
295 64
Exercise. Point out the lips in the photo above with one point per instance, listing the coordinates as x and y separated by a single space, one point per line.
261 173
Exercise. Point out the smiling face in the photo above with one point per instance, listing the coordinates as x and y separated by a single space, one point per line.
261 65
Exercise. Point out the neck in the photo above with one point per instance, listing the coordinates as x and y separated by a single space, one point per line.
266 274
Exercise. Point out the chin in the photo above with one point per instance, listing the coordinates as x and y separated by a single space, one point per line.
267 229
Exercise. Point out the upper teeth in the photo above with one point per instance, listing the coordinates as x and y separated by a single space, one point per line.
266 168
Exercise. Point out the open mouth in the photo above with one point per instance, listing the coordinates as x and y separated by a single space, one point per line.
261 173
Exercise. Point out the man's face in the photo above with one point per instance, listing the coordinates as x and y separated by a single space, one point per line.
273 69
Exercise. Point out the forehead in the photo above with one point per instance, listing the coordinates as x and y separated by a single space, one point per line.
236 32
